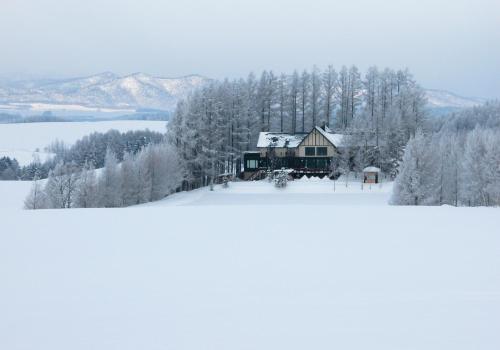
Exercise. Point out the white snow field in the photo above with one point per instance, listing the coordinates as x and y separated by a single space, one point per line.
252 267
12 194
312 191
23 140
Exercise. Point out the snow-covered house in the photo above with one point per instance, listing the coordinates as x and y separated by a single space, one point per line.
306 153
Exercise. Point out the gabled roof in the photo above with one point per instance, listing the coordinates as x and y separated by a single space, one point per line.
282 140
335 139
279 140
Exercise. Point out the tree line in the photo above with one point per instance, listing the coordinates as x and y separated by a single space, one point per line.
458 164
91 150
148 175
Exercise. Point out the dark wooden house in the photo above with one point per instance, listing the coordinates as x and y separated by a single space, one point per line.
307 153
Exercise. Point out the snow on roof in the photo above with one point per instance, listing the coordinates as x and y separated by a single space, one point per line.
371 169
276 139
335 139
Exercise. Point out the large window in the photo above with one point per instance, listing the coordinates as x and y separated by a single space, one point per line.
321 151
252 163
310 151
323 164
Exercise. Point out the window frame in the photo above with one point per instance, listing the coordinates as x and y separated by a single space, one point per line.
254 162
323 148
307 148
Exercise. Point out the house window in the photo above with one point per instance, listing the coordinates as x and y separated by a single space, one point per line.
252 164
321 164
321 151
311 163
310 151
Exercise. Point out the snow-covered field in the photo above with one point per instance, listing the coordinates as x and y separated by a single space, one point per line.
313 191
251 267
23 140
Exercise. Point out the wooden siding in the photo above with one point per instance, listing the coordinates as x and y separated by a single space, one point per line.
315 139
279 152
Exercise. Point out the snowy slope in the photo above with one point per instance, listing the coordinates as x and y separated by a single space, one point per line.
23 140
104 91
254 276
446 99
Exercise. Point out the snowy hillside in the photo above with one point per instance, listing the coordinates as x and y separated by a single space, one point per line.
251 273
104 92
446 99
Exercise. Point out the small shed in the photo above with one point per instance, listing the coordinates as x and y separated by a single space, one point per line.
371 175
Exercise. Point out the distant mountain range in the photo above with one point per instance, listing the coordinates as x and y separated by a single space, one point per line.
108 93
104 93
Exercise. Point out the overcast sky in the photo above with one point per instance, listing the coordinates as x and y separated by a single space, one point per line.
447 44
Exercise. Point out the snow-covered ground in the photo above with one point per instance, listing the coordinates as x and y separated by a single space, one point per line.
22 141
251 267
12 194
312 191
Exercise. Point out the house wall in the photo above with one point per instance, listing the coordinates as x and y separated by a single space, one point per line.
370 177
312 140
279 152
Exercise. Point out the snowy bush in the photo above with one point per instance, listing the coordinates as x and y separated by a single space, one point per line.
269 175
281 178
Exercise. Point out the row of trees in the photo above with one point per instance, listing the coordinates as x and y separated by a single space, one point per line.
214 126
91 149
9 169
148 175
457 166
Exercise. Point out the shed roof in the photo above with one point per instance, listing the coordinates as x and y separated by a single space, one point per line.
371 169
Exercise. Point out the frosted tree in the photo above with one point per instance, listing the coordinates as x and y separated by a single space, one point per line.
412 186
492 166
86 195
132 181
315 96
477 167
110 182
350 85
165 168
61 185
294 100
473 187
355 86
36 198
304 93
282 91
329 87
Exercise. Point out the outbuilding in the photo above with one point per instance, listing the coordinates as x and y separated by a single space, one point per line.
371 175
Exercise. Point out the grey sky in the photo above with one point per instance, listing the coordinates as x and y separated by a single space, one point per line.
449 44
